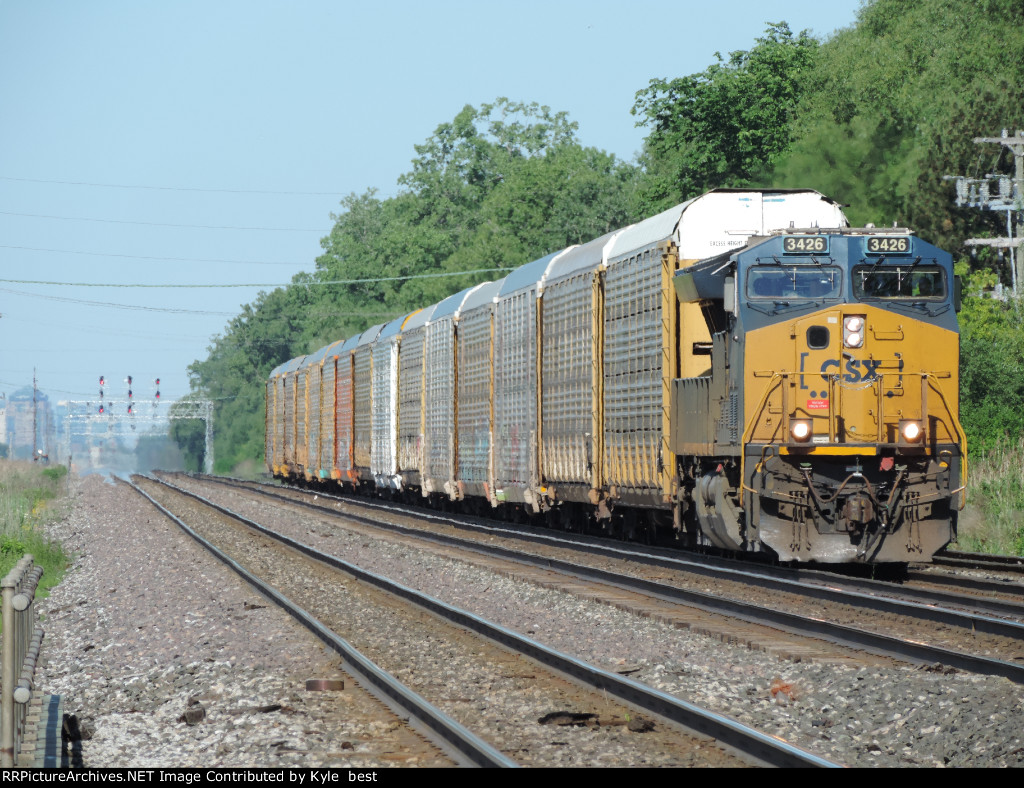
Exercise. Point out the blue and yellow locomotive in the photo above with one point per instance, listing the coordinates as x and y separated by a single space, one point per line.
830 428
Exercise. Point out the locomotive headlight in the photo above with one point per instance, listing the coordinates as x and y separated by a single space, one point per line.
853 331
910 430
801 430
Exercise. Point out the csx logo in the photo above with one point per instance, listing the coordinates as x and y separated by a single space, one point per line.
852 370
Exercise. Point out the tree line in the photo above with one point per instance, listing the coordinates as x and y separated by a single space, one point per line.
874 117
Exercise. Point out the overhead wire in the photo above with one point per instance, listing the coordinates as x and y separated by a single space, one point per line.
147 257
173 310
162 224
170 188
310 283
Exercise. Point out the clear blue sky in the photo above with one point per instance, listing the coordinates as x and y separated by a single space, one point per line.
207 143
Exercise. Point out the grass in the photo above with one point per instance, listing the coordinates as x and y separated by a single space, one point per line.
32 496
994 519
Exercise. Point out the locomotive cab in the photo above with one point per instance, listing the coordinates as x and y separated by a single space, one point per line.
834 427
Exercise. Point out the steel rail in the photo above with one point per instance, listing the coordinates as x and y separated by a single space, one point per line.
929 598
975 584
761 747
839 634
920 603
996 563
450 736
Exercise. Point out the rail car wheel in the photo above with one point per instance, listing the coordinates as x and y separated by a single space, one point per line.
636 526
565 518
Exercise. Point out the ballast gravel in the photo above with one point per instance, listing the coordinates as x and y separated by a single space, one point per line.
147 626
144 623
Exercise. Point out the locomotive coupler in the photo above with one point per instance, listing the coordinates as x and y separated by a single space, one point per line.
857 505
859 508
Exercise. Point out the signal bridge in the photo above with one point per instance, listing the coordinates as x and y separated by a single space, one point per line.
138 413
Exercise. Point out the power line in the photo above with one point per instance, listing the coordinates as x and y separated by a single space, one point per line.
135 307
76 327
309 313
170 188
140 284
311 283
162 224
146 257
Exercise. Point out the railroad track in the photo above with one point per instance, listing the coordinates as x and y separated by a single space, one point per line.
460 744
1002 636
982 561
691 728
1006 587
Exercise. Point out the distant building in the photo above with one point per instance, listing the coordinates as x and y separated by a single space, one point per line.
28 423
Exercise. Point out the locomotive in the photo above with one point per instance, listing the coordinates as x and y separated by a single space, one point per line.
743 371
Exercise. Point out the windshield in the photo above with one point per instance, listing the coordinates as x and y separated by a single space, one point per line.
909 282
793 282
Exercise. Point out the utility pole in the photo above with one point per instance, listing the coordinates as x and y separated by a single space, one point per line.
35 452
1008 196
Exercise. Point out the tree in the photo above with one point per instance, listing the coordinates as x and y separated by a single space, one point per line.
892 105
496 187
725 125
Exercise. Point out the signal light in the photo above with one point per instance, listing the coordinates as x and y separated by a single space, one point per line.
157 382
129 381
101 380
129 393
101 409
158 394
129 410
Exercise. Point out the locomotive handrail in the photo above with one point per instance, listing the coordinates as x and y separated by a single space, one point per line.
963 441
776 381
928 380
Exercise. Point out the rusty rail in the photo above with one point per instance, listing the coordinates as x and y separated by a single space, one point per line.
22 638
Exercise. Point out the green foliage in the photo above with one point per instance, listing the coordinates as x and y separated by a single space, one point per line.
893 103
725 125
994 519
11 546
991 360
56 473
190 436
494 188
158 452
30 498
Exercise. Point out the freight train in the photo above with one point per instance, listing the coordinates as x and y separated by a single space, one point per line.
743 371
